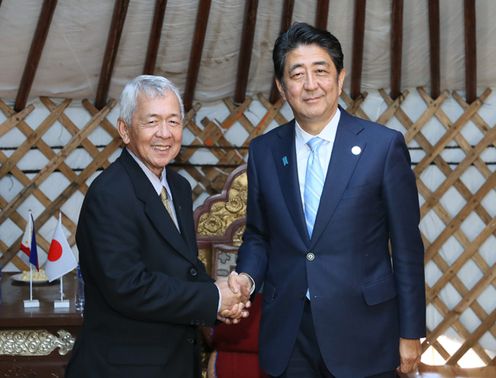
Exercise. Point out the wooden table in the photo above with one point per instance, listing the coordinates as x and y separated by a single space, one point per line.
36 342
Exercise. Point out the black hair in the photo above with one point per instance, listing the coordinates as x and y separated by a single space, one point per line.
301 33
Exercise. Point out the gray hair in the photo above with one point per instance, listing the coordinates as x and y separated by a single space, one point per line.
152 86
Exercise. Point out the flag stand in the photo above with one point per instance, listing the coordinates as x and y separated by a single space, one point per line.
31 303
61 303
60 261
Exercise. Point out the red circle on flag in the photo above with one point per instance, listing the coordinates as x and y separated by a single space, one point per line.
55 251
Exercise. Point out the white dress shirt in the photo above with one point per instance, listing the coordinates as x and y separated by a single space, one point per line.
157 183
328 134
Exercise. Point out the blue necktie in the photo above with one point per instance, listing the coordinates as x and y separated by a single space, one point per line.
314 182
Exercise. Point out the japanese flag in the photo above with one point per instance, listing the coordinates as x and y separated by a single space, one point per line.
60 258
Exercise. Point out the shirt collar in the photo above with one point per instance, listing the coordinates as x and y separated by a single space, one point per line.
157 183
328 133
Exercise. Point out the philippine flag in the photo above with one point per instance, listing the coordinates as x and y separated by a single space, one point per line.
28 242
60 259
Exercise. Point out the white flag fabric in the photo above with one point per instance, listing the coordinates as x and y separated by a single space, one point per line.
60 259
26 239
28 243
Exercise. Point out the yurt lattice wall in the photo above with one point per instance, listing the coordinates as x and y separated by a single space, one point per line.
51 151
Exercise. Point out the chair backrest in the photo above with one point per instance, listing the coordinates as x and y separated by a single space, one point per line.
220 223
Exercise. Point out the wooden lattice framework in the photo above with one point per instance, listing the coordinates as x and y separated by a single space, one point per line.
210 134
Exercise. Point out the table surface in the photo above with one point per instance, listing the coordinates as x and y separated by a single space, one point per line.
14 315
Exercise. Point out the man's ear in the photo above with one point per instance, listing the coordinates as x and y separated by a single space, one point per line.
123 131
280 88
341 77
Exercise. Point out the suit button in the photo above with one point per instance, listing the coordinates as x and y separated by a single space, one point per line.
193 272
310 256
190 340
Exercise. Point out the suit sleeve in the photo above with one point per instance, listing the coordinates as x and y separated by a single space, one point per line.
110 240
252 256
400 193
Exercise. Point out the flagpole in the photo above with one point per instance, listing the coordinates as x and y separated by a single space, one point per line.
62 276
30 265
33 260
30 282
62 288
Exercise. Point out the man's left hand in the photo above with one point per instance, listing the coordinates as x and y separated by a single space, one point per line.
410 351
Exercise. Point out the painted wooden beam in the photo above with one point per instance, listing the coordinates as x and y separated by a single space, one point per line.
249 23
154 39
322 14
357 56
287 17
196 52
435 48
396 47
470 52
35 51
113 39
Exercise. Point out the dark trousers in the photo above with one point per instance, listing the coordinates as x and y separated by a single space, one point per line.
306 360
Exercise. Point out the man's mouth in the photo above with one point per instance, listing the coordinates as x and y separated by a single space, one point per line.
312 99
160 147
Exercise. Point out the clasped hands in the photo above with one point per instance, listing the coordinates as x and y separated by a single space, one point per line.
235 292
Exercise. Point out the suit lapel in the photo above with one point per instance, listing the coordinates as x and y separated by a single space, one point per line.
182 206
286 165
154 209
339 172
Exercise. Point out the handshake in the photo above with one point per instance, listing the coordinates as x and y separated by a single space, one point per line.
235 293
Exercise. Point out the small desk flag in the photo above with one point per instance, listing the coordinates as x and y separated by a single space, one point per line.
28 242
60 258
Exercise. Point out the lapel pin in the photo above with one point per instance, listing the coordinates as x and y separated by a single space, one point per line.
356 150
284 160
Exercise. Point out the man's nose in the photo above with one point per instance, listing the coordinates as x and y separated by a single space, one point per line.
310 82
163 130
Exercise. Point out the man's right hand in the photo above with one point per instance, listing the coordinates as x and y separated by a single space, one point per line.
234 304
240 283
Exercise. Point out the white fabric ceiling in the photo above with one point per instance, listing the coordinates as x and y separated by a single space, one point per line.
71 60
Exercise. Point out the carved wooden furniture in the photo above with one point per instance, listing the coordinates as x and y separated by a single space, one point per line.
36 342
220 225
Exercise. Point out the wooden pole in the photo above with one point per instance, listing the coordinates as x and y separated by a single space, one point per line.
39 39
357 57
196 52
470 51
154 39
244 61
396 47
434 38
287 16
113 39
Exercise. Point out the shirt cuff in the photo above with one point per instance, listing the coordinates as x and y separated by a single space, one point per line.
220 299
251 280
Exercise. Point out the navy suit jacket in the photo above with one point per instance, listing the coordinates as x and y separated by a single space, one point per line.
146 290
364 297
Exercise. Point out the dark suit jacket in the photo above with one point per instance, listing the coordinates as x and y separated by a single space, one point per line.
362 300
146 291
